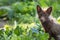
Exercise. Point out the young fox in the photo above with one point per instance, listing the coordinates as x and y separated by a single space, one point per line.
49 24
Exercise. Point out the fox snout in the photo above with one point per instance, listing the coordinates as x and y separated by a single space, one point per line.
42 19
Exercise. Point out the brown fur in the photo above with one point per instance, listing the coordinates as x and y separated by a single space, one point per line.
50 26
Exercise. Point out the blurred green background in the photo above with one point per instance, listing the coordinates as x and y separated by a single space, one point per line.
23 23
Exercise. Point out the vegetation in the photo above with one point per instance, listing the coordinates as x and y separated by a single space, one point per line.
23 23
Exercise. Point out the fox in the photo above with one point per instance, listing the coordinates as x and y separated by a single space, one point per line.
50 25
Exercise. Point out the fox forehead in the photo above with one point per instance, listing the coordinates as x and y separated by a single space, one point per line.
44 9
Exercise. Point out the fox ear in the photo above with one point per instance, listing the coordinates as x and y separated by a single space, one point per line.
49 10
39 9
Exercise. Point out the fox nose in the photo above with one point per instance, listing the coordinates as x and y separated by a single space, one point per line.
42 19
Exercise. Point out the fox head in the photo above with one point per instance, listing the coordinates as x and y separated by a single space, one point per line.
43 15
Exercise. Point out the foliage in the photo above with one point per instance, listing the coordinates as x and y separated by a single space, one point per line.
23 32
23 23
